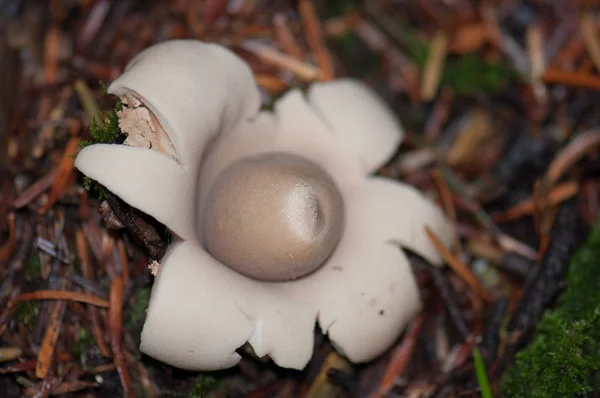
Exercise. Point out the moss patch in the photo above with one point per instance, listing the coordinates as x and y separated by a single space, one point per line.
204 385
84 342
27 312
137 311
104 129
33 267
466 74
563 360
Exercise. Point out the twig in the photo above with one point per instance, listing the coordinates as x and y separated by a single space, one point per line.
50 249
507 242
86 98
124 262
65 387
557 195
490 339
448 295
93 23
285 38
8 248
537 62
272 84
461 269
402 70
582 144
448 203
64 172
85 264
52 44
115 322
571 79
59 295
564 238
400 359
503 41
34 190
546 284
439 115
314 36
588 30
94 238
9 353
268 54
48 347
434 66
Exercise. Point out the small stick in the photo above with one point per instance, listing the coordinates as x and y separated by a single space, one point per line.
84 208
34 190
314 36
93 235
124 262
84 258
48 347
588 30
116 324
446 197
51 53
537 63
571 79
434 66
557 195
400 358
439 115
302 70
457 266
86 98
59 295
64 172
8 248
93 23
10 353
285 38
272 84
570 51
569 155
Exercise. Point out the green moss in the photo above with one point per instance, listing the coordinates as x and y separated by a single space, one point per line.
94 187
563 360
33 267
203 387
137 311
26 312
466 74
335 8
85 341
104 129
359 60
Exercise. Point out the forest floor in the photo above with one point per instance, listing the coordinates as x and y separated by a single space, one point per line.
498 102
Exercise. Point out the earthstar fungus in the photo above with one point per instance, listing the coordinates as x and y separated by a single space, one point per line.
277 220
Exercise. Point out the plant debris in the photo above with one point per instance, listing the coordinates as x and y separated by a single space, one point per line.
562 360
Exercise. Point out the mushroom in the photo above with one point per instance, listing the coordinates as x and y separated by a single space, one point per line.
278 222
273 216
